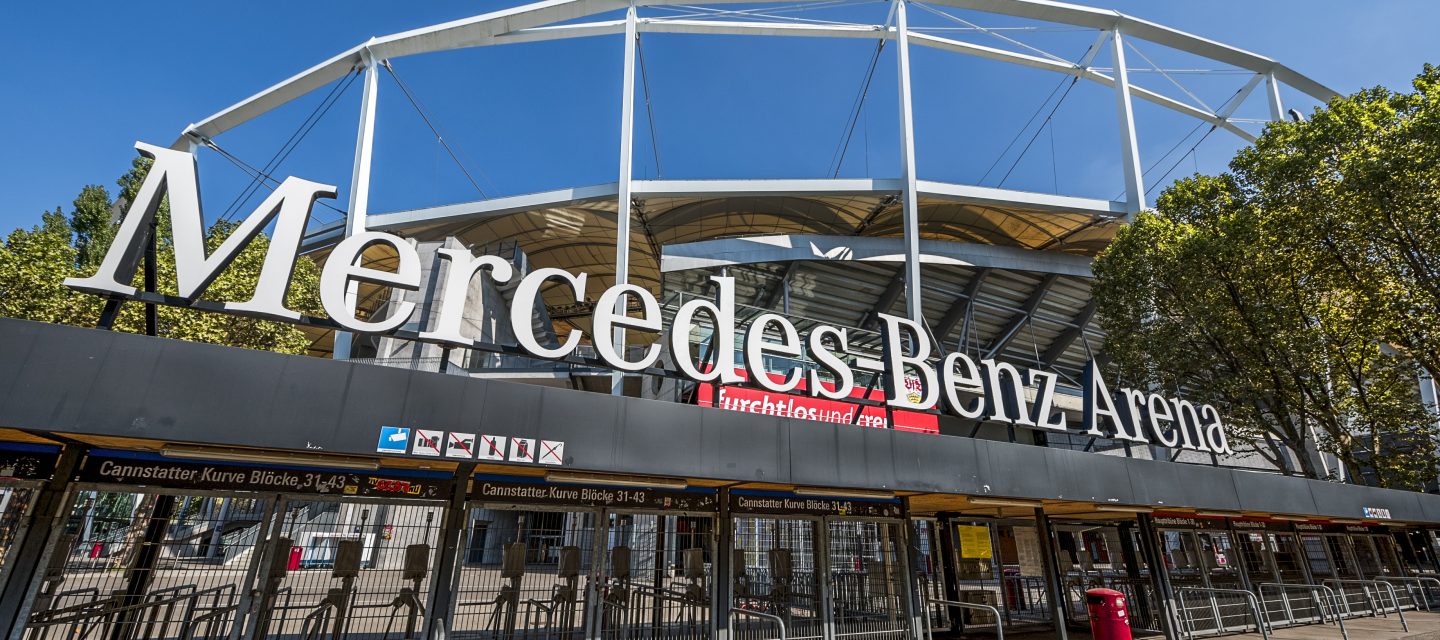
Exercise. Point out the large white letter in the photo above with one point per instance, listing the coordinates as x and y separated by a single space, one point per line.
606 320
919 360
969 381
453 297
1001 401
722 339
1044 399
844 377
756 347
522 311
1159 411
1214 430
342 267
1098 403
1186 419
173 172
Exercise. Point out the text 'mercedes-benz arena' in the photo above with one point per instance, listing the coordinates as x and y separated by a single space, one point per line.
651 409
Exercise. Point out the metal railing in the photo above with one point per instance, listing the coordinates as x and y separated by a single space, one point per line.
780 622
157 615
1315 590
999 625
1419 583
1188 621
1376 602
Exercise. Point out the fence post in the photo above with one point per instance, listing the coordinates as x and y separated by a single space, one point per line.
1159 577
448 543
724 583
47 516
1053 580
909 557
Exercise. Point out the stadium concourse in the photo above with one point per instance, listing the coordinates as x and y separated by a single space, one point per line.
742 409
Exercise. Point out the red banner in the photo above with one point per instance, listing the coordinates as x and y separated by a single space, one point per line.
753 400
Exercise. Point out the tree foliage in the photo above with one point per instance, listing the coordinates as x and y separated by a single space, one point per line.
34 264
1298 289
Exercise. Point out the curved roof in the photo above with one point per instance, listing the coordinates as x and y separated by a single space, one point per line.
1005 271
554 19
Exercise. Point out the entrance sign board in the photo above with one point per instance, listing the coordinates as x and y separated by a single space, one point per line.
987 390
28 463
802 505
1187 522
581 496
191 475
1261 525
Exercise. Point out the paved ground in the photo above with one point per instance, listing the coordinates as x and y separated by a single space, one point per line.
1423 626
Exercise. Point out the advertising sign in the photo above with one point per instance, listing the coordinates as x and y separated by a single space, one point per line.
202 475
788 405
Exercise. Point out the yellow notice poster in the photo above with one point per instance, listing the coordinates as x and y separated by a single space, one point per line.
974 541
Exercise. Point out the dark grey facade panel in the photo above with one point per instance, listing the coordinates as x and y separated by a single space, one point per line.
67 379
1279 493
738 445
1091 477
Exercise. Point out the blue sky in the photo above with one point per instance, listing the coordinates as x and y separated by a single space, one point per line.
85 81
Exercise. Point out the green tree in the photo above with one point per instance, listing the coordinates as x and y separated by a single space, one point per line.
1358 188
93 228
1281 290
33 266
35 263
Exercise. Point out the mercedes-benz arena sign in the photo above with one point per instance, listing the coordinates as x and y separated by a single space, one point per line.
985 390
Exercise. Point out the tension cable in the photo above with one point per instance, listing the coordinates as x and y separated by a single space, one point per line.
838 158
256 174
429 123
649 111
336 92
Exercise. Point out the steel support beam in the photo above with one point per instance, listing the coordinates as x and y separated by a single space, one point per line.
1272 95
623 204
771 295
909 199
359 204
1018 322
1129 145
962 305
1069 336
886 301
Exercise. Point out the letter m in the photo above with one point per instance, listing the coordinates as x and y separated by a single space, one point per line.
174 173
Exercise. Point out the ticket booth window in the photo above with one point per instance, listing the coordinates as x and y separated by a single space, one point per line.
1288 557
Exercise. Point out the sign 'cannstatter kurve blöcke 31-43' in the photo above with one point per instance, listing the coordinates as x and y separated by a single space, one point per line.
985 390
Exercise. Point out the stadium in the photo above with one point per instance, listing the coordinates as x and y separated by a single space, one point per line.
851 406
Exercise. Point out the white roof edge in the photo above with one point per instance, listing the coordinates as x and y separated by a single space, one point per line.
478 30
1009 197
793 247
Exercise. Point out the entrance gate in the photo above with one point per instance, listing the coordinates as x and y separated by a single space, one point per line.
828 568
357 567
180 558
544 561
152 563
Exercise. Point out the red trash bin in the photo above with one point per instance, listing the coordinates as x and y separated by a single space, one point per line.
95 550
295 553
1108 618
